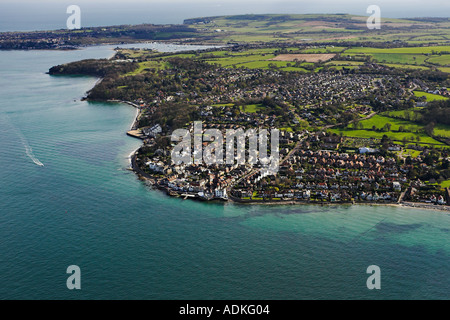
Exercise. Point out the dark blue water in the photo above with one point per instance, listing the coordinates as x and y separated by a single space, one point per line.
82 207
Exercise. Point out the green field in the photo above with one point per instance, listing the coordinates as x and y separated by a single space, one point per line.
445 69
443 60
445 184
404 58
403 113
441 130
324 50
429 96
380 121
257 28
232 60
411 50
345 63
412 153
253 59
406 66
411 131
143 66
411 57
396 136
252 108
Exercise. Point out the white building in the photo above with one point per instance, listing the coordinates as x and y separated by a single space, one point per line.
220 193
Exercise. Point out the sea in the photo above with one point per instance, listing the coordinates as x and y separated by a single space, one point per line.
67 198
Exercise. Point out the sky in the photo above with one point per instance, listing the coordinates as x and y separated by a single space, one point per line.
25 15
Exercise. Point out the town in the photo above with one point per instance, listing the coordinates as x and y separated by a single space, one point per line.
362 135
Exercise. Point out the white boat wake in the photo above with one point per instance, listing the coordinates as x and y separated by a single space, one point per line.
30 154
28 149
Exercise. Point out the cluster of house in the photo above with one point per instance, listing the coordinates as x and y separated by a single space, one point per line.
221 117
318 174
312 89
443 91
329 175
322 174
12 40
196 181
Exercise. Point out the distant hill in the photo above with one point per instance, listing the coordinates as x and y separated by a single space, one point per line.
320 27
335 29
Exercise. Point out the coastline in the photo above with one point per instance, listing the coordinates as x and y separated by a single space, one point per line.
134 130
136 133
151 181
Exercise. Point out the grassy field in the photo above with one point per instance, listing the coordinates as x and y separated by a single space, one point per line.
411 131
345 63
148 65
223 105
429 96
396 136
411 152
441 130
405 66
324 50
399 58
252 59
443 60
445 69
402 113
381 121
423 57
232 60
445 184
252 108
405 58
411 50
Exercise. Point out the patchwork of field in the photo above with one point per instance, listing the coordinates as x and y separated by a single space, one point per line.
443 60
147 65
399 130
418 58
409 50
318 57
424 58
305 59
256 28
255 59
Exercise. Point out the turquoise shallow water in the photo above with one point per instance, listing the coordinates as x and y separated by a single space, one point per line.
84 208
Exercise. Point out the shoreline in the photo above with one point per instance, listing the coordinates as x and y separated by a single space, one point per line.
134 130
407 205
135 133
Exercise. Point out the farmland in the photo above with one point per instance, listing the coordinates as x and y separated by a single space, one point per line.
396 129
303 59
285 28
429 96
308 57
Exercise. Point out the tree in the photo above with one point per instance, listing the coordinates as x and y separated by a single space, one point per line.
445 164
429 128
